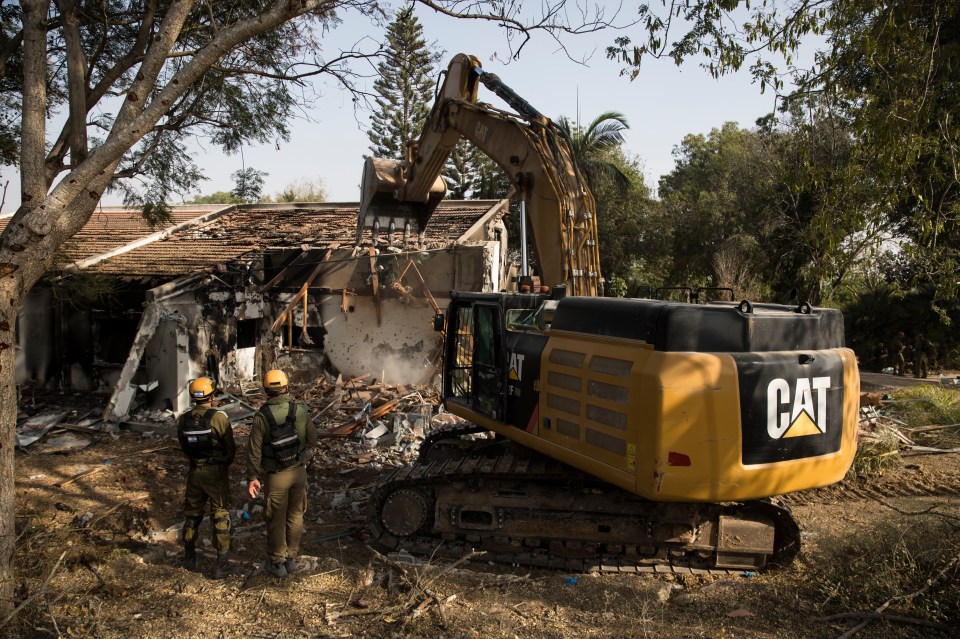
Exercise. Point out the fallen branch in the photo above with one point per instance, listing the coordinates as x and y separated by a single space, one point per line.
927 429
37 592
927 450
115 508
929 584
86 473
877 616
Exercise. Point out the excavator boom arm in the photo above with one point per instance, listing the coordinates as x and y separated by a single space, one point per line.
531 149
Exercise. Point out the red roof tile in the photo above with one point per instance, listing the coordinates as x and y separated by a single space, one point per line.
247 230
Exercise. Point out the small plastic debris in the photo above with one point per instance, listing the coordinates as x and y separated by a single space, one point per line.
747 574
571 581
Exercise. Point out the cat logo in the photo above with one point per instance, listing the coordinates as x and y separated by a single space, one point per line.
516 367
797 411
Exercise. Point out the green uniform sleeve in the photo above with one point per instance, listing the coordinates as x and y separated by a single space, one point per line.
221 424
311 432
255 449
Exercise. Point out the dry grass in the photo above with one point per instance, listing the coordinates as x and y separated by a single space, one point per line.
911 561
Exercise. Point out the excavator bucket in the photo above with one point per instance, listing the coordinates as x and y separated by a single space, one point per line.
381 211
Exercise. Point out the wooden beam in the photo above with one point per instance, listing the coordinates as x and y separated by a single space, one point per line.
375 282
303 291
279 277
424 288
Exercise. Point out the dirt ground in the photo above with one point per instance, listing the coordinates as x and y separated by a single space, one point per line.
98 556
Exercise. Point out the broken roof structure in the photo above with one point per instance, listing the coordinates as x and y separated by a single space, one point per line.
137 311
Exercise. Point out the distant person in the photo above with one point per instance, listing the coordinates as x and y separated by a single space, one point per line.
922 350
898 345
281 441
206 438
880 356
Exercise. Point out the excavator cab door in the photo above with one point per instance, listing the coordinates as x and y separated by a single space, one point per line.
474 366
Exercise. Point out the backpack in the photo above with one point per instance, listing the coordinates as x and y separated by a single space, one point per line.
284 439
195 435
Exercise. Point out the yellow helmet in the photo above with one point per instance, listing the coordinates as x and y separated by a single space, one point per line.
274 381
201 389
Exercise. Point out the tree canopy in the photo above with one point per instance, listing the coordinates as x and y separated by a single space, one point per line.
887 73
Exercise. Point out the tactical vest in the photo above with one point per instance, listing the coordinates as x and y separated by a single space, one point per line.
284 439
195 435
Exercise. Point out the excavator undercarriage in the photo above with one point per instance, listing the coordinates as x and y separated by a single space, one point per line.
508 504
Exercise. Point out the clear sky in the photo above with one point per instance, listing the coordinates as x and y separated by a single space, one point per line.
663 104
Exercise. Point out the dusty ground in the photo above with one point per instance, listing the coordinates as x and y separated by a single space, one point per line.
109 541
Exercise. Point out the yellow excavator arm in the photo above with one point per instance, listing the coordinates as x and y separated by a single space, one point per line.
534 153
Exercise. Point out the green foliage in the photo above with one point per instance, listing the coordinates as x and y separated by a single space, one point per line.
404 87
11 84
632 231
85 290
592 144
248 184
776 212
248 95
932 405
879 313
887 74
470 174
616 287
876 452
303 190
218 197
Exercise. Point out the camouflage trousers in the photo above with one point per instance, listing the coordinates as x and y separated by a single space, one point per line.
285 503
205 483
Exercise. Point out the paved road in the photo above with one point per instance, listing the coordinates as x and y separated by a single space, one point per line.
878 381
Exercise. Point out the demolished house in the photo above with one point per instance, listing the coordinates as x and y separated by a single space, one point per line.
137 312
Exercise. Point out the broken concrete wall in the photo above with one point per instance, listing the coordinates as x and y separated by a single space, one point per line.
401 347
205 325
218 337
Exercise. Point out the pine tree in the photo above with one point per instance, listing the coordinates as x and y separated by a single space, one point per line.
405 88
470 174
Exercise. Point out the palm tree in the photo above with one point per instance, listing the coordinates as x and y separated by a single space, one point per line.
591 146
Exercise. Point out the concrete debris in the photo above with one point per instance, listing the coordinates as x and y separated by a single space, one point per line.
37 426
65 443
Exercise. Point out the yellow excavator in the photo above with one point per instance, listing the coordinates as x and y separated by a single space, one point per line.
631 435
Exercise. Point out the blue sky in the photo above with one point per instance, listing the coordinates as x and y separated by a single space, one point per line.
663 104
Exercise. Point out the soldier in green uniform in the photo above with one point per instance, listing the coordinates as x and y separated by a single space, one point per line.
898 345
922 350
207 440
281 441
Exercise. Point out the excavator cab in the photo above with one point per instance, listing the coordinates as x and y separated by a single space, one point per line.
489 339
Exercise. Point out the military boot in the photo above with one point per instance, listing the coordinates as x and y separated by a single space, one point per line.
276 568
223 568
190 557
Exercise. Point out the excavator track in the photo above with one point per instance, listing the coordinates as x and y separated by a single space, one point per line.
510 505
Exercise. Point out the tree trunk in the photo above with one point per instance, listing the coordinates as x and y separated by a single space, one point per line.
9 303
46 220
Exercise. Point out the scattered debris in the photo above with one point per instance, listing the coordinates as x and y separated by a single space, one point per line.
63 444
37 426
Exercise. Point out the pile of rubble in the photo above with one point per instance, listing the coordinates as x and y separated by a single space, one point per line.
883 437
